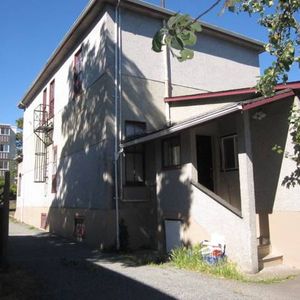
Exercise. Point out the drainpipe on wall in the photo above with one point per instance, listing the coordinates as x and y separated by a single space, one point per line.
120 104
167 76
116 127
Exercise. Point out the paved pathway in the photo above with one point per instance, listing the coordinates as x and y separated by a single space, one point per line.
67 270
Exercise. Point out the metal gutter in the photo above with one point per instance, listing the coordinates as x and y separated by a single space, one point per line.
235 92
185 124
262 101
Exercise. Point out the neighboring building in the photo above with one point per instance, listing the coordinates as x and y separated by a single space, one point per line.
101 146
7 148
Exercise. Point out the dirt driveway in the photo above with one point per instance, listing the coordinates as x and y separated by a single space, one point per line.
62 269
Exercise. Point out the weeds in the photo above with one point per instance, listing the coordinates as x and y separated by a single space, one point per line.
191 259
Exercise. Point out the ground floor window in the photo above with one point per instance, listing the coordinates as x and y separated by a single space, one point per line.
171 152
134 165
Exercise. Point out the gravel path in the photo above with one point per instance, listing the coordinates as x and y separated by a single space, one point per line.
67 270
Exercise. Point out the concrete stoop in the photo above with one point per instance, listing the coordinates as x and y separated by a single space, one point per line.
267 258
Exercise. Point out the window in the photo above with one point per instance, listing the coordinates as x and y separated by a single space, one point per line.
4 131
229 158
134 165
19 184
54 171
4 165
4 148
135 155
77 76
51 99
171 152
134 129
44 107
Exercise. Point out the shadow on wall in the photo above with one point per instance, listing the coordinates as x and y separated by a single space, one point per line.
85 185
174 196
270 131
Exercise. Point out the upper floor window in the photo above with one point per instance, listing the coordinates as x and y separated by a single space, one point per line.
171 152
4 148
4 131
51 98
229 153
134 129
4 165
77 76
44 108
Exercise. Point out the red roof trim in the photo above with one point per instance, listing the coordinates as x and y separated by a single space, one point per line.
243 91
267 100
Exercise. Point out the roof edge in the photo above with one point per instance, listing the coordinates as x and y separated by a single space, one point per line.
219 94
144 5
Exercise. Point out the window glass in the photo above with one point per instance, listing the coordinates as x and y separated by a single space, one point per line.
4 131
229 153
4 148
171 152
134 129
51 99
4 165
77 75
134 165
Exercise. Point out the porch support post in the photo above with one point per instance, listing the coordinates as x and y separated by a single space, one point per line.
250 258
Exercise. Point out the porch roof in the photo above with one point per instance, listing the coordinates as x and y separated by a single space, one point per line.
209 116
249 92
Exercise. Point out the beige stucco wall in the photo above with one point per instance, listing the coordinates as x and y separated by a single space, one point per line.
285 238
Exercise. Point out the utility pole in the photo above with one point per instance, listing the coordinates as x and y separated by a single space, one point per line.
4 213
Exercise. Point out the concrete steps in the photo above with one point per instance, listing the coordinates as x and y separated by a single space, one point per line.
270 260
266 258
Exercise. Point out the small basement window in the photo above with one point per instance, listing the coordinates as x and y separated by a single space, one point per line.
229 154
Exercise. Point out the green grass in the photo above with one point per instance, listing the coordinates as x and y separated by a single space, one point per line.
191 259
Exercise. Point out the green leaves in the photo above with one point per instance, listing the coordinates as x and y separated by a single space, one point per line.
178 34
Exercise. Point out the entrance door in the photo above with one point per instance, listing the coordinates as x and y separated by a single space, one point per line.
204 161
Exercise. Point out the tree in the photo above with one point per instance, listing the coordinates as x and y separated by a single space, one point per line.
19 136
279 18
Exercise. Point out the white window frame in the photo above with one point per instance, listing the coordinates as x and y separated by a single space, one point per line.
223 156
3 129
2 167
5 150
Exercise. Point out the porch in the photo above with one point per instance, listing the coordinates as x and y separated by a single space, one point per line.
216 174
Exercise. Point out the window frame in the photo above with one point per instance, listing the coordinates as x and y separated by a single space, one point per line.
51 99
138 123
222 152
54 171
77 73
134 150
7 164
4 151
163 142
44 106
3 129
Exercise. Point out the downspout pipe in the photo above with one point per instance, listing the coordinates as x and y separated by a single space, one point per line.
167 69
116 125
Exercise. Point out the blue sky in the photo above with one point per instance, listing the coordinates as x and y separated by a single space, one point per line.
30 31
